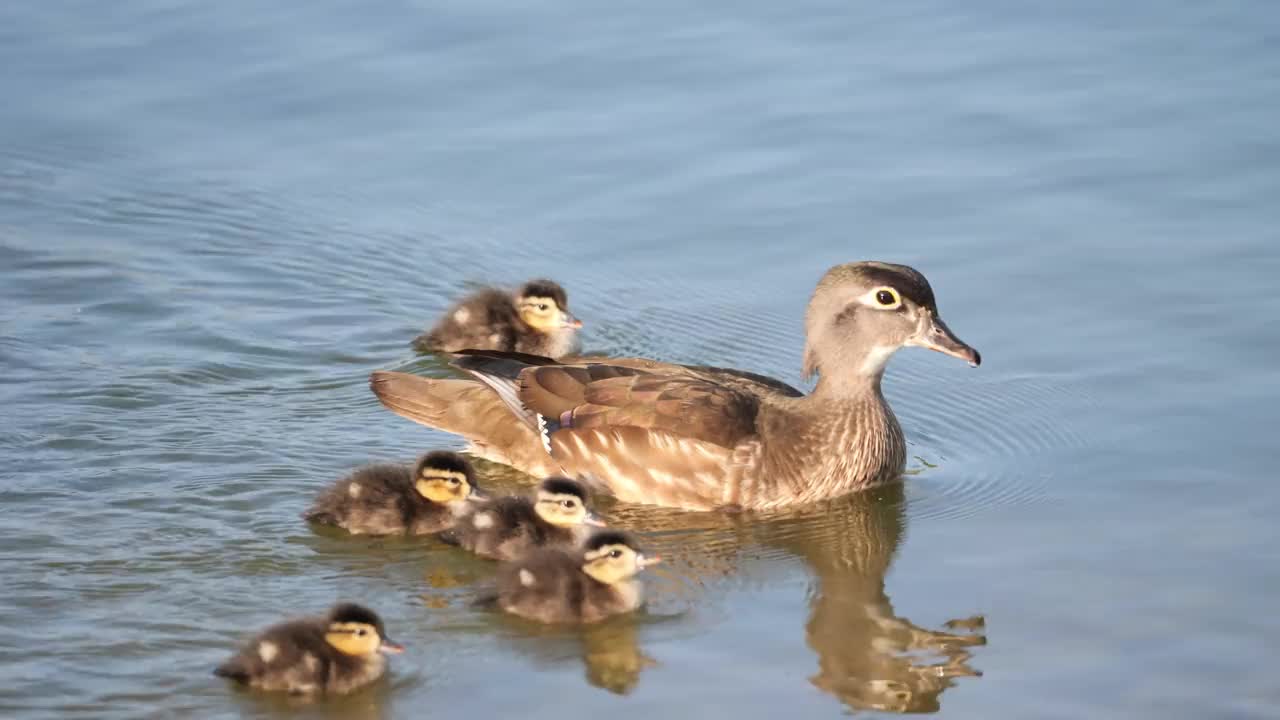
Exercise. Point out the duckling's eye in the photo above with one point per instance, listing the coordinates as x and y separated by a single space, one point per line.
361 633
615 553
453 482
886 297
569 504
542 307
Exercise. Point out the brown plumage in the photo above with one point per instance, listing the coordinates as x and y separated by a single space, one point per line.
535 320
700 437
391 499
585 586
557 516
334 654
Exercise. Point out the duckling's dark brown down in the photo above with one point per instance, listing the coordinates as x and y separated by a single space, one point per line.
294 657
549 586
384 503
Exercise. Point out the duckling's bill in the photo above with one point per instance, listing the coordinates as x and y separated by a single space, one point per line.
568 320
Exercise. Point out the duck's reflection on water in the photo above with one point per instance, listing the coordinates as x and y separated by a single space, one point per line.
868 657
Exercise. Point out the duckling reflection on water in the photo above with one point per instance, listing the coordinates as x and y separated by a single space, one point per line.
336 654
389 499
612 656
698 437
609 651
535 320
558 516
585 586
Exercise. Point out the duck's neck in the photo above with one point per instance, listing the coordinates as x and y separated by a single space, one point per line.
841 438
848 388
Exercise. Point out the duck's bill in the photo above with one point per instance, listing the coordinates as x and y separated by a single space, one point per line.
569 321
594 521
648 560
935 335
390 648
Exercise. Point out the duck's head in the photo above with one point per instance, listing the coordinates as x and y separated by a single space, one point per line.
862 313
356 630
544 306
564 503
611 557
445 477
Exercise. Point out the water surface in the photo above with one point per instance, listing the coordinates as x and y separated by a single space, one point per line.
217 219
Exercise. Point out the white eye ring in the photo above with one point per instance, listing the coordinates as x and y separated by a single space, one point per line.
874 298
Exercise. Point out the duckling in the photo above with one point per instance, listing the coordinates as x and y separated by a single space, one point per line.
387 499
508 527
587 586
535 321
335 654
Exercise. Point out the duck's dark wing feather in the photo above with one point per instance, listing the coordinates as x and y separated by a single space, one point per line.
665 432
604 396
673 399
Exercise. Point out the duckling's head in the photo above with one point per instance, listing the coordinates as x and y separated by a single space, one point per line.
611 557
544 306
444 477
563 502
862 313
357 630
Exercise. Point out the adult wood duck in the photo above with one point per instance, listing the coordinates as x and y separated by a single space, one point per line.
701 437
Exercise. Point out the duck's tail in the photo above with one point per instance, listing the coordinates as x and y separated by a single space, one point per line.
451 405
468 408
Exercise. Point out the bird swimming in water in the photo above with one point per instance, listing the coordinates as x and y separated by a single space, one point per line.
583 586
558 515
697 437
390 499
535 320
335 654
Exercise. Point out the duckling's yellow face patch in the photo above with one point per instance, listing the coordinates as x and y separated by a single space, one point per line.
613 563
442 486
353 638
560 509
543 314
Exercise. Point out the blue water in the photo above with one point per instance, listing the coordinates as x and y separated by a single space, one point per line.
217 219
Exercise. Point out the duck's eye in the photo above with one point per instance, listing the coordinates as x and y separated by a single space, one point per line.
615 553
542 307
887 297
569 504
453 482
362 632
